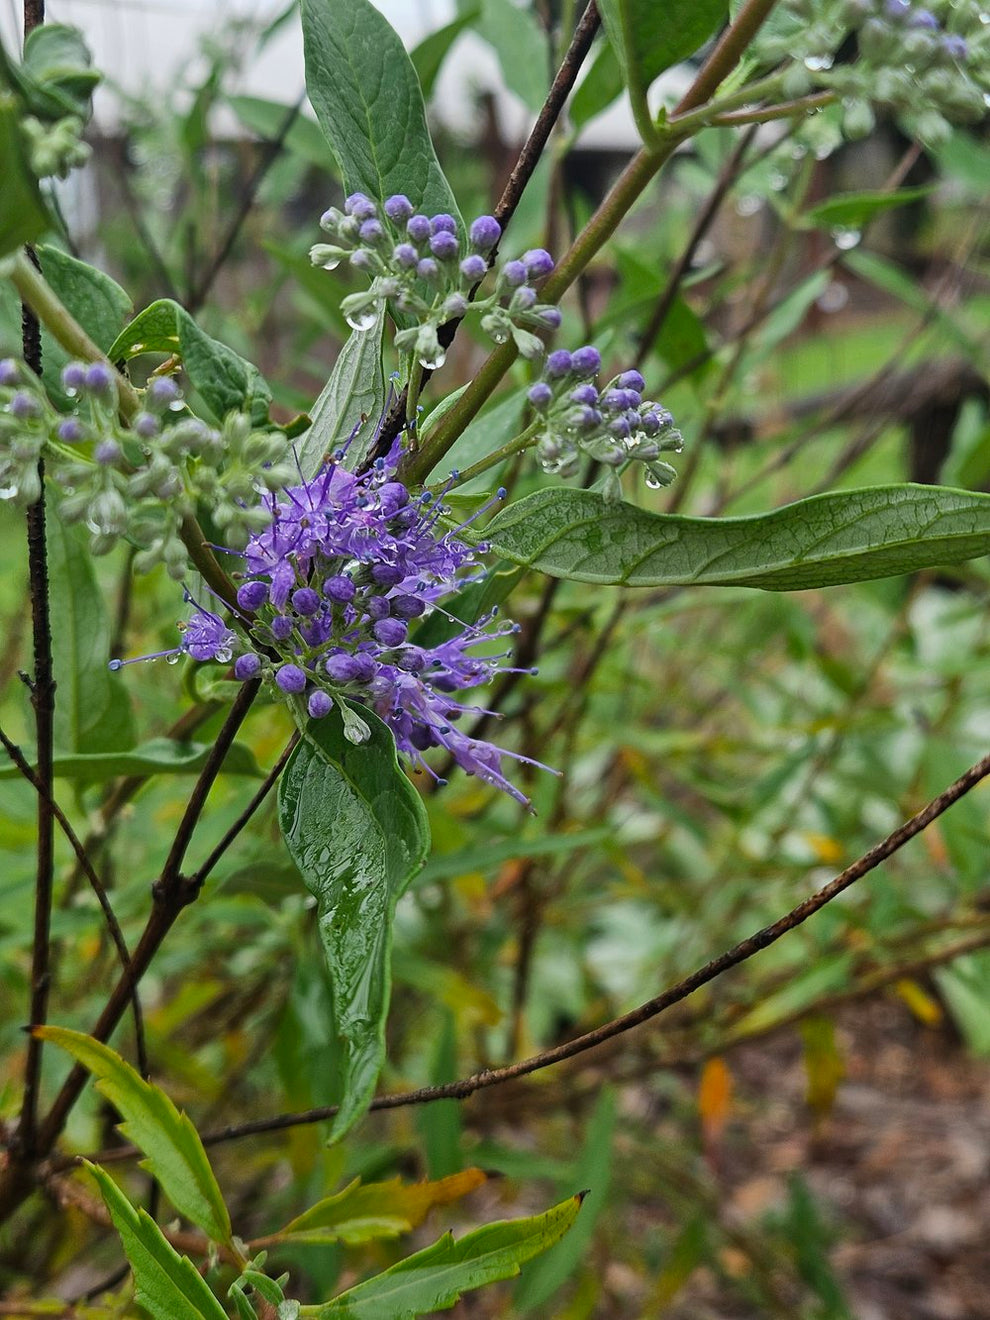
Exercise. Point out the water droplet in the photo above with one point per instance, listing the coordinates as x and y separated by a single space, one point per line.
844 239
331 263
176 405
115 665
432 362
748 205
834 298
223 655
173 658
135 348
778 180
500 335
7 492
818 63
653 482
362 320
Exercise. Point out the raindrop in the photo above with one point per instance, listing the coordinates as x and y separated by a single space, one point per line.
362 320
834 298
433 362
172 658
176 405
331 263
223 655
844 239
115 665
135 348
7 492
818 63
778 180
499 334
748 205
653 482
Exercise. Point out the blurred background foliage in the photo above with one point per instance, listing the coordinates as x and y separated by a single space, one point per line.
722 754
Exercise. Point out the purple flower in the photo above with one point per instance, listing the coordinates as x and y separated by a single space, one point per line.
306 601
514 274
631 380
585 394
207 637
551 317
24 406
71 431
924 18
10 374
955 46
74 377
540 395
371 231
538 263
398 208
443 224
586 361
428 269
291 679
252 595
99 378
146 425
390 632
247 666
360 206
418 228
107 452
485 233
405 255
162 392
473 268
559 363
340 590
444 245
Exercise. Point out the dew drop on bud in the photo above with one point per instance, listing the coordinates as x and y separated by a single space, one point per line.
844 239
172 658
115 665
434 361
818 63
362 320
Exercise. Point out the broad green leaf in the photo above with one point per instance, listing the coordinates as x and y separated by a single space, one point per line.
362 1212
852 210
428 57
598 88
357 830
594 1167
23 216
434 1279
304 138
91 714
57 66
167 1285
173 1150
486 856
364 90
352 400
648 38
157 756
223 378
843 536
97 302
520 43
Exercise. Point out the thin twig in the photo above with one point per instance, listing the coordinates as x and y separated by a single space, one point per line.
96 884
739 953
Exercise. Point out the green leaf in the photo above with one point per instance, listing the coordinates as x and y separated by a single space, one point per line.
486 856
364 90
57 70
890 277
265 119
97 302
434 1279
365 1212
224 379
353 397
357 830
649 38
167 1285
520 43
852 210
175 1154
23 215
428 57
157 756
598 88
92 715
843 536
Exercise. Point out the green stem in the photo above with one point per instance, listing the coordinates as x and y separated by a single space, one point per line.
37 293
511 447
205 562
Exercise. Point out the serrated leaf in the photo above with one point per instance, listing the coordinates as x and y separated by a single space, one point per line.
362 1212
843 536
357 830
167 1285
852 210
434 1279
224 379
157 756
174 1153
367 99
352 400
91 714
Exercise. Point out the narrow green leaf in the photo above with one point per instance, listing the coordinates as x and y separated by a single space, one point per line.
353 397
357 830
649 38
266 118
23 216
843 536
428 57
92 714
520 43
363 1212
434 1279
175 1154
167 1285
598 88
224 379
485 857
364 90
851 210
157 756
594 1166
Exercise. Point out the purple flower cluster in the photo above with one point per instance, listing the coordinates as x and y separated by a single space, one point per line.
423 267
331 593
613 424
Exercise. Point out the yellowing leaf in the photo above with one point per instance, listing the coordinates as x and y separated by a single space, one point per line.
919 1001
714 1097
361 1213
823 1064
828 850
